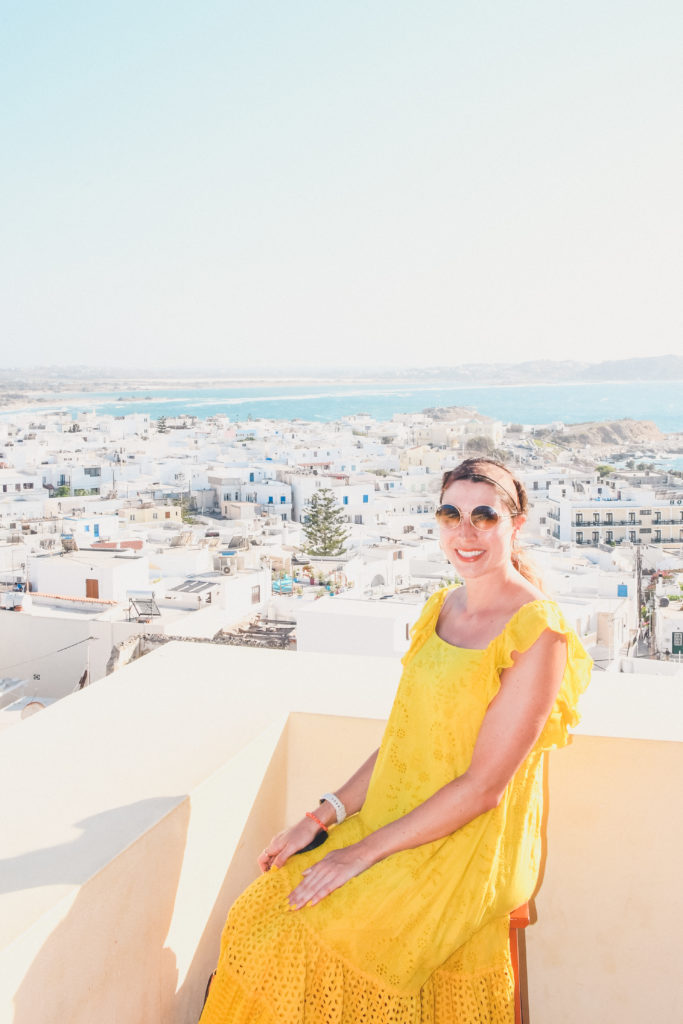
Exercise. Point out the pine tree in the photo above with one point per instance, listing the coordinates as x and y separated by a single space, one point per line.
325 531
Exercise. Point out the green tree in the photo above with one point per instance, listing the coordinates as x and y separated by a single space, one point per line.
604 469
325 531
161 425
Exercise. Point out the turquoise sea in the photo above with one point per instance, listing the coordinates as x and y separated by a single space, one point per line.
660 402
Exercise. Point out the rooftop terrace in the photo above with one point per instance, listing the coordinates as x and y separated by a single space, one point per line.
138 805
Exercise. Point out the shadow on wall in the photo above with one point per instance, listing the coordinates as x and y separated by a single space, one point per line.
91 967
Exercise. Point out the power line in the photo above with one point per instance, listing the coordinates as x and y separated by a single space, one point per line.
39 657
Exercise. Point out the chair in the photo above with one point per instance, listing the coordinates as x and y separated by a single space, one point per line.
519 918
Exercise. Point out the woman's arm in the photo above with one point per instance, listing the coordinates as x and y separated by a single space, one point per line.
511 726
291 840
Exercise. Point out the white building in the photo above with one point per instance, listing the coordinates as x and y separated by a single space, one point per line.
104 575
346 626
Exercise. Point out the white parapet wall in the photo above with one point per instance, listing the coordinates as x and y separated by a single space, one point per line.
135 813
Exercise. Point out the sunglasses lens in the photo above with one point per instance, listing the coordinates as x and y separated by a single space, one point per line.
448 514
484 517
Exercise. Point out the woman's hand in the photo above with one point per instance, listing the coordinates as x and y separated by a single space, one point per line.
329 874
282 846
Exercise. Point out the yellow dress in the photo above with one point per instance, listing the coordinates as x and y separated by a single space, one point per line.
422 936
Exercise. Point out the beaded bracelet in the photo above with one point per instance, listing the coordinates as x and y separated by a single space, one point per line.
316 819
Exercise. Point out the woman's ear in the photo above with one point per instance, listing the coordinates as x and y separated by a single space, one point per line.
517 524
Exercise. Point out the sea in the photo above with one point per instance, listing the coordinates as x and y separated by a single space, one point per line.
535 404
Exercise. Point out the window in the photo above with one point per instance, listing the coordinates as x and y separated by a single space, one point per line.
270 499
658 535
365 499
610 536
283 499
632 536
345 499
579 536
579 518
596 517
87 528
645 512
609 518
358 520
596 536
631 517
658 517
155 515
92 471
255 595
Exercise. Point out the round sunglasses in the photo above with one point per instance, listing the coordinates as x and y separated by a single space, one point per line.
483 517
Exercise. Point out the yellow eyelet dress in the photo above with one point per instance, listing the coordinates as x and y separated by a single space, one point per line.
422 936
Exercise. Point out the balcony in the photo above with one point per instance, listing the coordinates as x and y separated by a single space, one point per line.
585 524
139 804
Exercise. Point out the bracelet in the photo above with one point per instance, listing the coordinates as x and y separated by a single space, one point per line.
316 819
339 808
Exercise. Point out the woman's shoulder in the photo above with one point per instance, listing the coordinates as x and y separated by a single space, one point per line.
425 623
531 617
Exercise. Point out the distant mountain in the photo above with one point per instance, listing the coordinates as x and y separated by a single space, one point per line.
647 368
549 371
535 371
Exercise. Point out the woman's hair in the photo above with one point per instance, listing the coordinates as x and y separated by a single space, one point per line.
513 493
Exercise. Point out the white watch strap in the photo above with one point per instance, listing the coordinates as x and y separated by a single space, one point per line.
339 808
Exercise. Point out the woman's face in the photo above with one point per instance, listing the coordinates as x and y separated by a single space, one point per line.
475 553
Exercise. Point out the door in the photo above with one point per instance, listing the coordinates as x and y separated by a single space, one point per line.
92 588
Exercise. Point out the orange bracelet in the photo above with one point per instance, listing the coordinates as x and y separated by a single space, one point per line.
313 817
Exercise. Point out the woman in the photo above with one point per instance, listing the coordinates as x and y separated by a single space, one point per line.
402 915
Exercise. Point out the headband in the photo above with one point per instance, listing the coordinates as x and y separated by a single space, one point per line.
482 478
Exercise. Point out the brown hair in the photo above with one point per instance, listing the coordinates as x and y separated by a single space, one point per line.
513 492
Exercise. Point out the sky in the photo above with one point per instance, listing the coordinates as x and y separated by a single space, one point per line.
367 184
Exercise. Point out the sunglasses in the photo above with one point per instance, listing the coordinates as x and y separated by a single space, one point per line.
483 517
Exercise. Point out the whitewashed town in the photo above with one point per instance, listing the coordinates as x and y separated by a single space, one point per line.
120 533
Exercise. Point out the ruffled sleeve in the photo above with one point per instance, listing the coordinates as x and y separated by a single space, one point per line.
425 624
521 632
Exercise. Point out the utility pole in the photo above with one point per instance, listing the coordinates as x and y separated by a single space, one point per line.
639 588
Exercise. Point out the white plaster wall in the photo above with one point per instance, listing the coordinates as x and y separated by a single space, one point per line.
58 649
67 576
334 626
180 561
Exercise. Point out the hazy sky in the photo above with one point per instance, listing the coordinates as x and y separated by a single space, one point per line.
375 183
